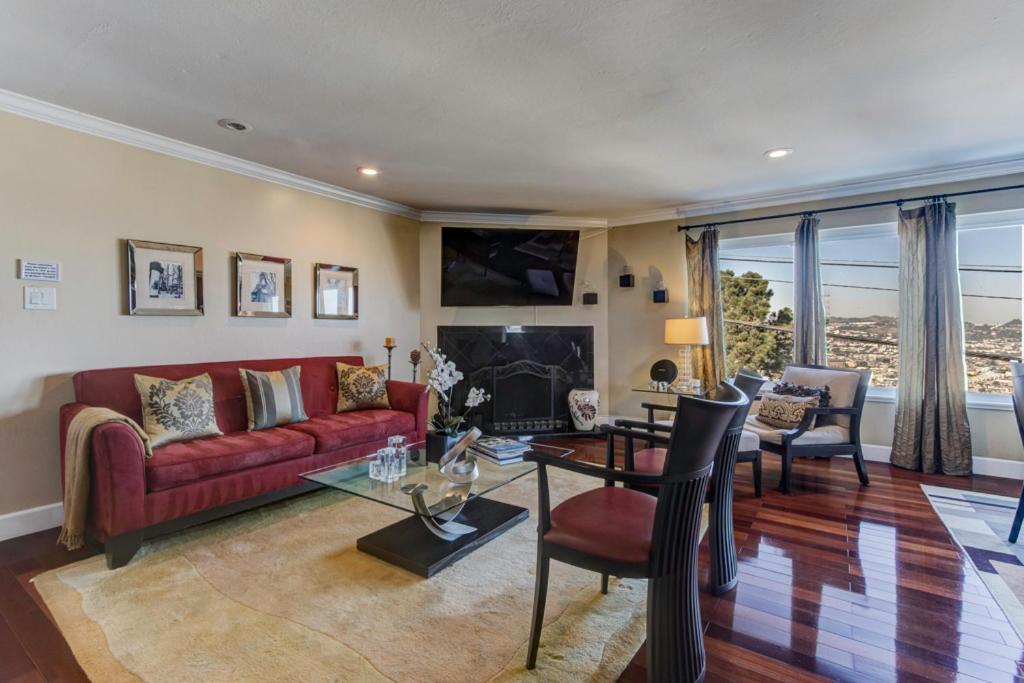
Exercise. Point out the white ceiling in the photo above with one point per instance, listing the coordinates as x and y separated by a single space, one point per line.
591 108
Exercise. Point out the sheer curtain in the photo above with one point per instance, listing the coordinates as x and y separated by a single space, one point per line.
808 306
705 297
932 432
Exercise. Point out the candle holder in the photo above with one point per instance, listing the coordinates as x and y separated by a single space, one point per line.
414 361
390 347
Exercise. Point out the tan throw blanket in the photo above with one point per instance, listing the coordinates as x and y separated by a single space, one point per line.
77 453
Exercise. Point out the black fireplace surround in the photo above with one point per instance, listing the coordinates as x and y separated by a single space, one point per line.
527 370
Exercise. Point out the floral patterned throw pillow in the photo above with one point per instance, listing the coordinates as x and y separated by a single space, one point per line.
362 387
177 410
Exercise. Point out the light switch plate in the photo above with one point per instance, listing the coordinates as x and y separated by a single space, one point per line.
41 298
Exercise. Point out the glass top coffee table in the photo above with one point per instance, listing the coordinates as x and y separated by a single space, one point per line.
448 520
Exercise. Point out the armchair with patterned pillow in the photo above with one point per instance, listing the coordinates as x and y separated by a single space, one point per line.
822 428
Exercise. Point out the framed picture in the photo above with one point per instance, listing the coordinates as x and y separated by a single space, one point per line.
337 292
264 286
164 279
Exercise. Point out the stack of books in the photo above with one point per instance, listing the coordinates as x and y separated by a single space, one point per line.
499 450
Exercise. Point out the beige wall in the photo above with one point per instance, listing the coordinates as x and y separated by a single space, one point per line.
658 246
591 267
655 251
72 198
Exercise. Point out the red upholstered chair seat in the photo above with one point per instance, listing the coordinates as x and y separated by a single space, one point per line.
649 460
609 522
187 461
333 432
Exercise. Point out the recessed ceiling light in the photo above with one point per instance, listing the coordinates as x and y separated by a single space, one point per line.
366 170
236 126
779 152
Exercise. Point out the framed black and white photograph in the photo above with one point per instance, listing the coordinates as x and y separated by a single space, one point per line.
337 292
164 279
264 286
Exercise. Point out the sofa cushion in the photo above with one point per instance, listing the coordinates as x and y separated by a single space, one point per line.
273 398
362 388
177 410
354 427
184 462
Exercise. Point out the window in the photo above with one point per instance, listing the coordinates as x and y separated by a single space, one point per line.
990 284
860 277
860 285
757 302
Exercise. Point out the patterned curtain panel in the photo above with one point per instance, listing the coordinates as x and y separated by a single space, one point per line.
932 433
808 305
705 295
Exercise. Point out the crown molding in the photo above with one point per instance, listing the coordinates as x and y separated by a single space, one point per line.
531 220
93 125
934 176
57 115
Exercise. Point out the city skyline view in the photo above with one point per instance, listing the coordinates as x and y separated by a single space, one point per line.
860 274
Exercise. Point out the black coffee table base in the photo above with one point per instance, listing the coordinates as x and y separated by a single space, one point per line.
411 546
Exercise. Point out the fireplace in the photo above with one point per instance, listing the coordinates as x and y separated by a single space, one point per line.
527 370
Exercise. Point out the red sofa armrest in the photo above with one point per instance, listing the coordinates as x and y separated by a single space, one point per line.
410 398
117 486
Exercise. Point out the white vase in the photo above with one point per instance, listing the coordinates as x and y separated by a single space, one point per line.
583 405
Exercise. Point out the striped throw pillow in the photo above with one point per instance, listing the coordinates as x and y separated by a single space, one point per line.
273 398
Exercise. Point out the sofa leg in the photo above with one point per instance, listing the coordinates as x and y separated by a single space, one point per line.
121 549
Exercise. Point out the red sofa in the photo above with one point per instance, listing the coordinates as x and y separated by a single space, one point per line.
191 482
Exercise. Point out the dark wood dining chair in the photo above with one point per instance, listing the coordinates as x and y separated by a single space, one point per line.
721 539
622 531
1017 369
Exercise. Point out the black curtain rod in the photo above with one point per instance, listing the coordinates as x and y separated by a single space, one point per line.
851 207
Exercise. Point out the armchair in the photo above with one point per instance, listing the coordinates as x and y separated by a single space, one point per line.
823 432
722 542
616 530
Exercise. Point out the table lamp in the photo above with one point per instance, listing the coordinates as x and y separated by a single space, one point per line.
686 332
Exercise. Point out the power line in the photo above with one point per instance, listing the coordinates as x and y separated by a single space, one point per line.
876 289
981 268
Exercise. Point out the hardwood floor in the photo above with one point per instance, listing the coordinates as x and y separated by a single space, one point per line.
836 582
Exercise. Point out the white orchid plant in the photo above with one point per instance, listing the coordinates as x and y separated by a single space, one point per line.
442 379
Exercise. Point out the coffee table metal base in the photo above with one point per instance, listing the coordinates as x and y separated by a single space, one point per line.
410 545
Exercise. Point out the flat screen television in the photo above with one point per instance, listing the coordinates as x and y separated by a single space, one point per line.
489 267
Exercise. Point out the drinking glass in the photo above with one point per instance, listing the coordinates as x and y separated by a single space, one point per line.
390 464
401 454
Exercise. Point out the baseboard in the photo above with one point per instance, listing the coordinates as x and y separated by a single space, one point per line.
24 522
989 467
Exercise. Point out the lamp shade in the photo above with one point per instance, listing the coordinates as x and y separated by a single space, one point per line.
686 331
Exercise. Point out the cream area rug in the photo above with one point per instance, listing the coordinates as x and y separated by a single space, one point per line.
282 594
980 524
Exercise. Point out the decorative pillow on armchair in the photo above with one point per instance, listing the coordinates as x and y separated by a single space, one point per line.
362 387
784 411
177 410
273 398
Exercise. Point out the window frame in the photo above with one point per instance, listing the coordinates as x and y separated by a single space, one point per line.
976 400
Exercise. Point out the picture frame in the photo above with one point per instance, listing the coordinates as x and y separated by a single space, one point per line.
336 292
164 279
263 286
